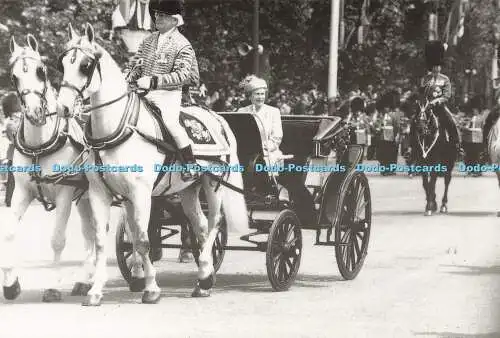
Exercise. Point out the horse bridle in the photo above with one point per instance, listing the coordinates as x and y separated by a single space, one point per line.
95 64
42 76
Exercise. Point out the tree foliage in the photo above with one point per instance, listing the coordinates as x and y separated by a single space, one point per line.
295 31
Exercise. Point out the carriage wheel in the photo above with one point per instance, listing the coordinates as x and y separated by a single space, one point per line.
284 250
218 249
124 250
352 233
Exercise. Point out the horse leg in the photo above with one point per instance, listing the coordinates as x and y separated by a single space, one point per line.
139 222
206 273
432 192
137 281
192 209
444 202
425 184
63 210
21 199
185 253
100 203
82 287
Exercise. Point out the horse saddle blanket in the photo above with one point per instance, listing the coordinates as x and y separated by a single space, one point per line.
202 127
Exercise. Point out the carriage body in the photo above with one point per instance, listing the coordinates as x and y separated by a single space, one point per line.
339 192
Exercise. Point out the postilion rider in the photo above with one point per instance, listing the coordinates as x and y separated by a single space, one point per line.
436 87
168 64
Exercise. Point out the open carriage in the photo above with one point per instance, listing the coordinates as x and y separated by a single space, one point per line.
325 163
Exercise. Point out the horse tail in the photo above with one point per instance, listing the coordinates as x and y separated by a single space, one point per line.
233 202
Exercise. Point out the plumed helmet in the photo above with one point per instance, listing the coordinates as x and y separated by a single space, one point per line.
11 104
434 54
357 104
170 7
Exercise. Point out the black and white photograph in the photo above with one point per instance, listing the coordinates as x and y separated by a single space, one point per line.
250 168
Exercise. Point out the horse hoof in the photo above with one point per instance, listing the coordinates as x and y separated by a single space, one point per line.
81 289
185 256
428 213
92 300
52 296
151 297
200 293
137 284
207 283
13 291
444 209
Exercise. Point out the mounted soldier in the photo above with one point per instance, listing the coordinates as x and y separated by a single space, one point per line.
168 63
436 88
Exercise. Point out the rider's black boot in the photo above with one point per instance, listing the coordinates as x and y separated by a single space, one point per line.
188 161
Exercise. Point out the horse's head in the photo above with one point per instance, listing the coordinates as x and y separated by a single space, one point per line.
79 63
425 120
29 77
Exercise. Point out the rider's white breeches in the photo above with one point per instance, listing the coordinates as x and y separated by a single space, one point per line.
169 102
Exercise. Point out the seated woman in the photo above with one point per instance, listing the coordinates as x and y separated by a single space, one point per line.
270 118
272 134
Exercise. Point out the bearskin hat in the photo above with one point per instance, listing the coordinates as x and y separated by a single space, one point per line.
393 99
477 102
357 104
170 7
434 54
11 104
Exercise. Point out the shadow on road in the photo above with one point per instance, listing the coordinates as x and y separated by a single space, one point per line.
421 213
473 270
458 335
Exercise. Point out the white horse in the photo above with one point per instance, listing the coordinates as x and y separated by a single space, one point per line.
118 135
494 146
43 140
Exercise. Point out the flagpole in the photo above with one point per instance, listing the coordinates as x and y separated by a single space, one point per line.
256 65
333 59
433 21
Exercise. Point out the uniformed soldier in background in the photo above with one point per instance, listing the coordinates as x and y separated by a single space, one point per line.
388 131
473 124
436 87
11 107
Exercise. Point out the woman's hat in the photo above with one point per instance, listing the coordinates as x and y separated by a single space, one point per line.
252 82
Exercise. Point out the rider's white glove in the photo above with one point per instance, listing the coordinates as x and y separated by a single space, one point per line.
144 82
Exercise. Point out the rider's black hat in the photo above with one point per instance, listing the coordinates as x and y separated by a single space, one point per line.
434 54
170 7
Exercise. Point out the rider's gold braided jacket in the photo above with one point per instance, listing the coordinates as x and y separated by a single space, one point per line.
173 62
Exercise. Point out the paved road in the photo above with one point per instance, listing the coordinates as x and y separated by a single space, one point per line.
424 277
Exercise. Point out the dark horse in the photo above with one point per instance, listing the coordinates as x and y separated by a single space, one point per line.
431 147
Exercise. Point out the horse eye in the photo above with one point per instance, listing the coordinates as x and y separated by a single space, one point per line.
40 73
85 68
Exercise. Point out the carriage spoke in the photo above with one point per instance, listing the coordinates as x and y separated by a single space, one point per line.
356 245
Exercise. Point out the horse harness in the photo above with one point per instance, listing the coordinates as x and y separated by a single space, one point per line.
54 144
